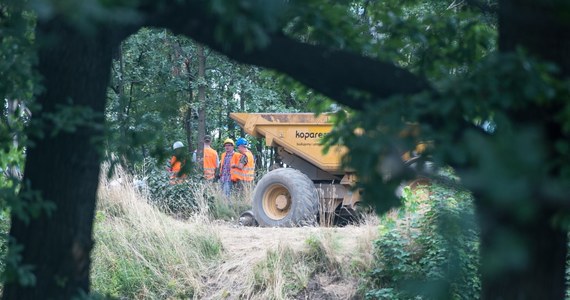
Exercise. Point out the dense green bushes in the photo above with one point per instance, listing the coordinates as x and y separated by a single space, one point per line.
188 198
171 198
428 249
4 228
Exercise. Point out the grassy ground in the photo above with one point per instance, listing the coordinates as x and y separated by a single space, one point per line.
142 252
145 251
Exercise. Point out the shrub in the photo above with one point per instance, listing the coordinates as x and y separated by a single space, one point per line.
4 229
175 199
194 195
428 249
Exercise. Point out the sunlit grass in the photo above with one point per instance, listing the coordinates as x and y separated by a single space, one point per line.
291 272
146 252
143 253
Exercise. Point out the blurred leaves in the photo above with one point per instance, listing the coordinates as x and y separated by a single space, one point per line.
429 249
490 116
247 21
86 15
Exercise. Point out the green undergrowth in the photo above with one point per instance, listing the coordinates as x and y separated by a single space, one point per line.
193 195
428 249
4 229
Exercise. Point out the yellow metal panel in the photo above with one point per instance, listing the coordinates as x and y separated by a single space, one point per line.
297 133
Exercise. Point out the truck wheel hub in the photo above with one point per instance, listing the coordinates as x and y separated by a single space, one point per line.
281 202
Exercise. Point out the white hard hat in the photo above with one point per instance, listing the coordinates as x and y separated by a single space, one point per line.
177 145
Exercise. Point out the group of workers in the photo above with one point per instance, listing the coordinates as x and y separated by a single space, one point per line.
233 169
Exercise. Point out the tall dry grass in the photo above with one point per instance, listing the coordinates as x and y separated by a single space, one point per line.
142 253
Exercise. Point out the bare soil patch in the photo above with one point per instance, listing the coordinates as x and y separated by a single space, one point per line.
246 246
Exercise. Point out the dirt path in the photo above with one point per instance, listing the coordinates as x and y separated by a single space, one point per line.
244 247
255 241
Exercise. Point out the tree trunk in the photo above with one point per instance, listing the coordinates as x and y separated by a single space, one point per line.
230 123
123 110
541 27
220 121
63 165
521 260
241 109
260 157
202 107
188 118
539 246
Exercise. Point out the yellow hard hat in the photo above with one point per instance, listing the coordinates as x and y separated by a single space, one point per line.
229 141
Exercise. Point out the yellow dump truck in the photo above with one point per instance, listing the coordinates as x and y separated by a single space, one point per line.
314 185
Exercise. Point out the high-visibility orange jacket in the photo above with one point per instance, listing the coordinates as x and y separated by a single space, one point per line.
210 163
248 171
234 163
175 166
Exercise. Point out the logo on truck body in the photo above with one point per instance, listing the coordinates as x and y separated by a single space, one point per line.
309 135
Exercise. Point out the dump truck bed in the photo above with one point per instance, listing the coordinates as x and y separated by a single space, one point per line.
296 133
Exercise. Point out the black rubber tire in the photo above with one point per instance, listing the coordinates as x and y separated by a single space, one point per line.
247 218
294 189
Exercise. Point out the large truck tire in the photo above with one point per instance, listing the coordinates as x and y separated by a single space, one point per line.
285 198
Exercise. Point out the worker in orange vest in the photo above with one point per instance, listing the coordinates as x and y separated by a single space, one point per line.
246 165
229 172
210 160
177 162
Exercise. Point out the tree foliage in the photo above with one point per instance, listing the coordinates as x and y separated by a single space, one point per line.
428 248
154 88
17 85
